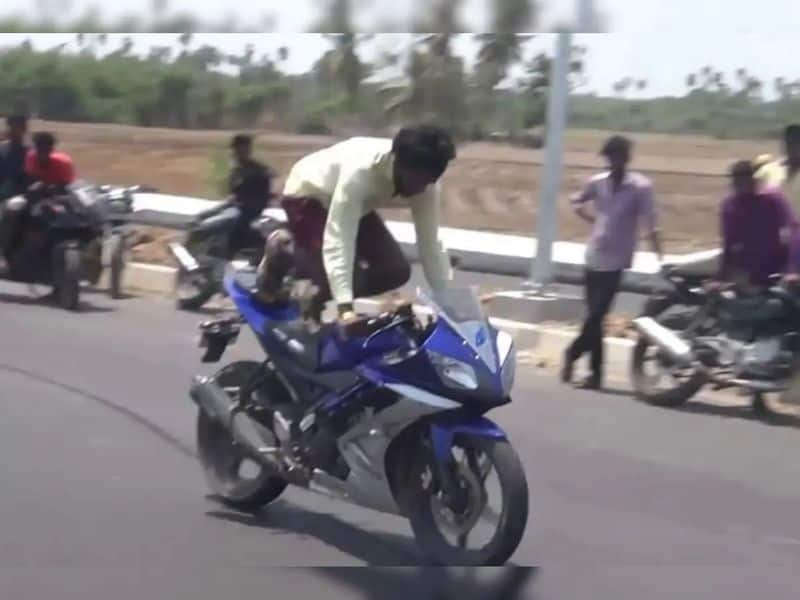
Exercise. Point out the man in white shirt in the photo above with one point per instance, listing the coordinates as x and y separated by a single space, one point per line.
331 199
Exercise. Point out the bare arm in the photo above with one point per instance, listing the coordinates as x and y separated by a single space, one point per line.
434 258
339 241
650 215
580 203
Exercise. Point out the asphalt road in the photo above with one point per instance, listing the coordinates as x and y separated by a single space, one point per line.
101 495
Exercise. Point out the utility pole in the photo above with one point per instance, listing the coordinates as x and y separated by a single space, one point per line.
542 272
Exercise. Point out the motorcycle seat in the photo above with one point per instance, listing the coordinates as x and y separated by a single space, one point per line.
760 309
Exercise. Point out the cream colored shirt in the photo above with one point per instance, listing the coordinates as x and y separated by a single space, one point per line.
775 174
351 179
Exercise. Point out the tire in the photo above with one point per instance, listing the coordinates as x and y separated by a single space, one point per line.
670 398
67 279
511 523
192 301
216 447
116 264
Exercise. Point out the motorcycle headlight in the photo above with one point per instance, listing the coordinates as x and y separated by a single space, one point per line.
507 353
454 372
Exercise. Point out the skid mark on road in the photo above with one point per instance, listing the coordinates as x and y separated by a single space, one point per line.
127 413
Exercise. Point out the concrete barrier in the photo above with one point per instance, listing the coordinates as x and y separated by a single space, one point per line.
480 251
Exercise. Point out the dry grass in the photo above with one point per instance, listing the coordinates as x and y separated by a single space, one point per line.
490 187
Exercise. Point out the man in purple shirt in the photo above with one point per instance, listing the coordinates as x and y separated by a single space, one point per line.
622 201
757 231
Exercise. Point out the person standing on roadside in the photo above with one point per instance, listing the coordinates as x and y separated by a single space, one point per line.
784 174
13 179
621 202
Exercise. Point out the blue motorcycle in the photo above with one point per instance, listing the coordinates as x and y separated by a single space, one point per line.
387 414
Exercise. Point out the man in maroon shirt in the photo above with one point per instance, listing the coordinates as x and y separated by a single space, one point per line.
758 229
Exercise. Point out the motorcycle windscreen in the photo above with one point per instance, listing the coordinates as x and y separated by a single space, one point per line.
461 309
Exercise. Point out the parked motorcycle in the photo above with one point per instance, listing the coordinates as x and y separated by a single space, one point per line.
675 306
111 205
387 414
733 340
202 260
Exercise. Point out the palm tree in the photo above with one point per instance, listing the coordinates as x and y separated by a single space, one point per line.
343 62
125 46
160 53
434 83
779 85
502 48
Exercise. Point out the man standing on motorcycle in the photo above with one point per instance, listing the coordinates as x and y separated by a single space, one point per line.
331 199
758 227
13 179
250 184
622 202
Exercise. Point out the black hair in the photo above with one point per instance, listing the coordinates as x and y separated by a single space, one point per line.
425 147
44 140
792 133
241 139
743 168
16 120
617 144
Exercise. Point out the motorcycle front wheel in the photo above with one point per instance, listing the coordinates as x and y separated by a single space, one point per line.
487 527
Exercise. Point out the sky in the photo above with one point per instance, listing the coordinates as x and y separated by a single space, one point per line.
657 40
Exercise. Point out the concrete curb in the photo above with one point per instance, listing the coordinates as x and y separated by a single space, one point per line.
480 251
538 345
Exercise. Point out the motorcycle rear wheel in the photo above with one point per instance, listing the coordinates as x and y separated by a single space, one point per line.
116 264
426 513
684 390
224 461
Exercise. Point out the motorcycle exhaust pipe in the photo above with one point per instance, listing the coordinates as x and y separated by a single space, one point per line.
183 256
218 405
666 340
328 485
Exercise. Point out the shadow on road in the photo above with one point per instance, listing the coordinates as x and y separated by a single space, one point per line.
619 392
744 412
29 300
379 549
101 292
491 583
